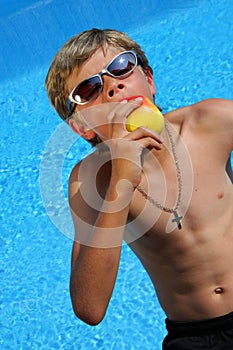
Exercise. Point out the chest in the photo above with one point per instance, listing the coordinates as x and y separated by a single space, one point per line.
197 194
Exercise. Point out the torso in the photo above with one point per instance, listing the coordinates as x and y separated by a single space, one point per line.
191 268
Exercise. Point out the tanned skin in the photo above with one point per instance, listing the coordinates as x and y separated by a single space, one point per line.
191 268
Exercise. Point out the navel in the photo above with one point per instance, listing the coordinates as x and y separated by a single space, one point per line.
219 290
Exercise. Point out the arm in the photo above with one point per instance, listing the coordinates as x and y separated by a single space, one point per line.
95 262
94 265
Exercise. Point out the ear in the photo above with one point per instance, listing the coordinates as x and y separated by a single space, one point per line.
151 82
81 130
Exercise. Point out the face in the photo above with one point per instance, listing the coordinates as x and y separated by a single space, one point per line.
114 89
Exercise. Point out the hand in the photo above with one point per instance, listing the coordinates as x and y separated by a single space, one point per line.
127 147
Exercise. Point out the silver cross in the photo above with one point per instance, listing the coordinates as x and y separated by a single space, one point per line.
177 219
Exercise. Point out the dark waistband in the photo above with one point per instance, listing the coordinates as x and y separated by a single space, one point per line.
210 326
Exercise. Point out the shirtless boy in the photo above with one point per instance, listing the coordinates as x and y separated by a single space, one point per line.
123 190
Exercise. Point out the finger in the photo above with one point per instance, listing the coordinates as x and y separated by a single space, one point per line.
148 142
117 117
142 132
124 108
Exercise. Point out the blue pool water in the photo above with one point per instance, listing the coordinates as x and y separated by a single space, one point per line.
190 46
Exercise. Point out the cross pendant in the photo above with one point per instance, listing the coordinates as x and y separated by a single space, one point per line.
177 219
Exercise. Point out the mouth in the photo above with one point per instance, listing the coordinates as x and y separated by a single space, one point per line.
131 98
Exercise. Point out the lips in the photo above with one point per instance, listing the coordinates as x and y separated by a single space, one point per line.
130 98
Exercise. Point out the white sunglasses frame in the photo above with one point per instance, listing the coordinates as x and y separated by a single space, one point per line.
138 60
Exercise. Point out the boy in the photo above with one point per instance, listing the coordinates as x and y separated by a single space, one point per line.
167 195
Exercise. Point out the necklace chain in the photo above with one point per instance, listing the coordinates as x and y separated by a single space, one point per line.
177 218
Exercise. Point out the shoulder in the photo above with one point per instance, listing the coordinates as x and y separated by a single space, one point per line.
77 174
92 171
214 115
85 165
73 179
213 107
209 114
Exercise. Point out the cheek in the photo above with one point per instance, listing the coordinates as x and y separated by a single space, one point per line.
144 84
95 115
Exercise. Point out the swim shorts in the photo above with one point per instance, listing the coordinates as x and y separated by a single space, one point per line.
215 334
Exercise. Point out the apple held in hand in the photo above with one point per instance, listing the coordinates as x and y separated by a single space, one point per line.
147 115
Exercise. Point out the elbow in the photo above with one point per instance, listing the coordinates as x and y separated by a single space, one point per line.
90 315
90 319
88 307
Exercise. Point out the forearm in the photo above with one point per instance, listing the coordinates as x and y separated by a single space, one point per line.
94 273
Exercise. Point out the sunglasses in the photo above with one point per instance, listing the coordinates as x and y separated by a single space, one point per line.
121 66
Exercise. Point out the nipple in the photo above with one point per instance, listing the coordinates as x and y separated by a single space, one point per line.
220 195
147 115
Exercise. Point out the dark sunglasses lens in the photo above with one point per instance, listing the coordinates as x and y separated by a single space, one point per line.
122 65
87 90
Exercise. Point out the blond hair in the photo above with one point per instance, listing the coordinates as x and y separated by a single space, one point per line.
75 52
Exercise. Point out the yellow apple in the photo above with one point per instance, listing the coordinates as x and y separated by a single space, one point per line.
147 115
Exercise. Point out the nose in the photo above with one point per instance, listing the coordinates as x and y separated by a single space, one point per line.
114 91
113 88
